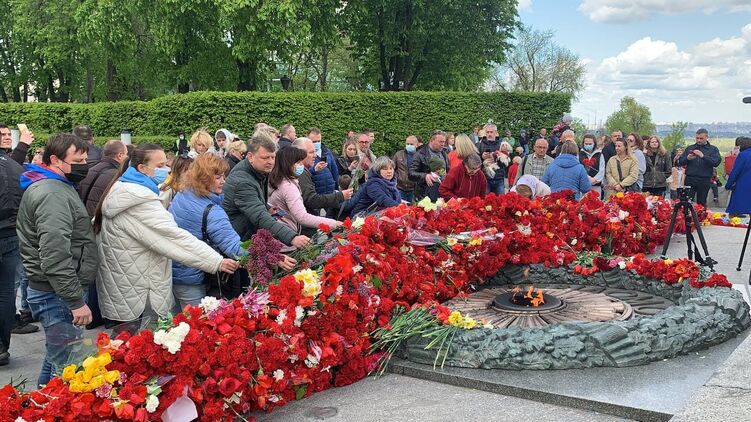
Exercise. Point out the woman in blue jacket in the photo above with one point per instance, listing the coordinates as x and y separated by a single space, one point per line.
380 190
566 172
739 181
202 193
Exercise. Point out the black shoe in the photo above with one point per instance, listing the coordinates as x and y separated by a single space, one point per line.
4 358
24 328
716 202
27 317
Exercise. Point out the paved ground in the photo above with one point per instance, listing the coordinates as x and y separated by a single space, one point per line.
400 398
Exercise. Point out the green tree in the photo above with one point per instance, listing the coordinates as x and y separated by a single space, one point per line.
436 44
676 135
538 64
631 117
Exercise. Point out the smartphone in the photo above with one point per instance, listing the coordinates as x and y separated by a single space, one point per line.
22 127
322 159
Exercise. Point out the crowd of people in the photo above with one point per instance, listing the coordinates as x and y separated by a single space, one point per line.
119 235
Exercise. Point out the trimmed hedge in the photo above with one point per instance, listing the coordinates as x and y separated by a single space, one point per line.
392 115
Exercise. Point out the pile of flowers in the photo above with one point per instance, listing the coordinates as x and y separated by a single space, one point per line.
723 219
337 317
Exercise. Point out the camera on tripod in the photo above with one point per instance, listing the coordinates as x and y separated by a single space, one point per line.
685 193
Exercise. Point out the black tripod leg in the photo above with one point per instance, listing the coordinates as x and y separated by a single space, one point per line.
671 227
709 261
690 242
743 249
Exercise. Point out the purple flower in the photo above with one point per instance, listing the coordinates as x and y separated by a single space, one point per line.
254 302
265 252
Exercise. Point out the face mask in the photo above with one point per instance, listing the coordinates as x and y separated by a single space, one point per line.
77 173
410 148
588 147
299 168
160 175
317 147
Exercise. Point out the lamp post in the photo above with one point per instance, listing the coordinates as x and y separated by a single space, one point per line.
286 82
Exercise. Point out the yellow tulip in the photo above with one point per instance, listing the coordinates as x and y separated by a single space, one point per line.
112 376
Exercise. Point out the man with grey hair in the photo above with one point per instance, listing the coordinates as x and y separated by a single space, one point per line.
246 193
567 135
538 161
287 135
314 202
465 181
494 162
424 171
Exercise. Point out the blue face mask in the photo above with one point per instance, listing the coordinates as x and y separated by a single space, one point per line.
317 147
410 148
299 168
588 147
160 175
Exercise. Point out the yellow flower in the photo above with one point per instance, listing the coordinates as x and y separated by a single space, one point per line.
69 372
475 241
311 283
735 221
451 241
469 323
455 318
427 204
619 195
668 261
112 376
488 208
717 215
96 382
77 387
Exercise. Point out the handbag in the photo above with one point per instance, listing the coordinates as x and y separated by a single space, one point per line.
218 282
630 188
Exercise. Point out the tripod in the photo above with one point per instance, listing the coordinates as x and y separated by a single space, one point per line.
689 216
743 251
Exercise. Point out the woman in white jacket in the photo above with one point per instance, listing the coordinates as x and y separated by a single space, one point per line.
138 239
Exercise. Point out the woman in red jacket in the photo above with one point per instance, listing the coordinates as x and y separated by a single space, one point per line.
464 181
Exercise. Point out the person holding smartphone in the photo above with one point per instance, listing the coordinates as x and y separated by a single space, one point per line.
700 160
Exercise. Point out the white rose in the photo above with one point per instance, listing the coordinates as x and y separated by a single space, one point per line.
152 403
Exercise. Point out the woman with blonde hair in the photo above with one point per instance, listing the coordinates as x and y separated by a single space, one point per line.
200 143
659 167
622 170
171 185
347 162
235 153
463 148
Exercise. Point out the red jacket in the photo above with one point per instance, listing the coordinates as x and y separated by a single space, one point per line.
459 184
512 170
729 163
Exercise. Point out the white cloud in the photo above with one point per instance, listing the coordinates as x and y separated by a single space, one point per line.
704 80
524 5
624 11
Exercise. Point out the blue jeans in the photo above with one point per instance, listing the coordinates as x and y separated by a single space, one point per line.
22 283
187 294
408 196
9 259
496 186
63 340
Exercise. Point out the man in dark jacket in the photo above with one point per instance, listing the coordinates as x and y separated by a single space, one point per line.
700 160
91 189
323 169
495 171
420 173
403 160
6 143
314 202
94 153
57 247
287 135
246 193
10 198
101 174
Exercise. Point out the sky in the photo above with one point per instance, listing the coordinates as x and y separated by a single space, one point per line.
687 60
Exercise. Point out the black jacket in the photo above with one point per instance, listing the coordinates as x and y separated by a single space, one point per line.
245 196
701 167
659 168
96 181
284 142
232 162
10 194
421 167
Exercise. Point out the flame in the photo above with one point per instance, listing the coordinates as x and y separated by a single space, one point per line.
534 296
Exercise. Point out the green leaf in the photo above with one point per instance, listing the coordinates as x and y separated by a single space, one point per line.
377 283
300 391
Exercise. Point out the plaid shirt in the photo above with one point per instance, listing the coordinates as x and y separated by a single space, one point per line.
538 167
